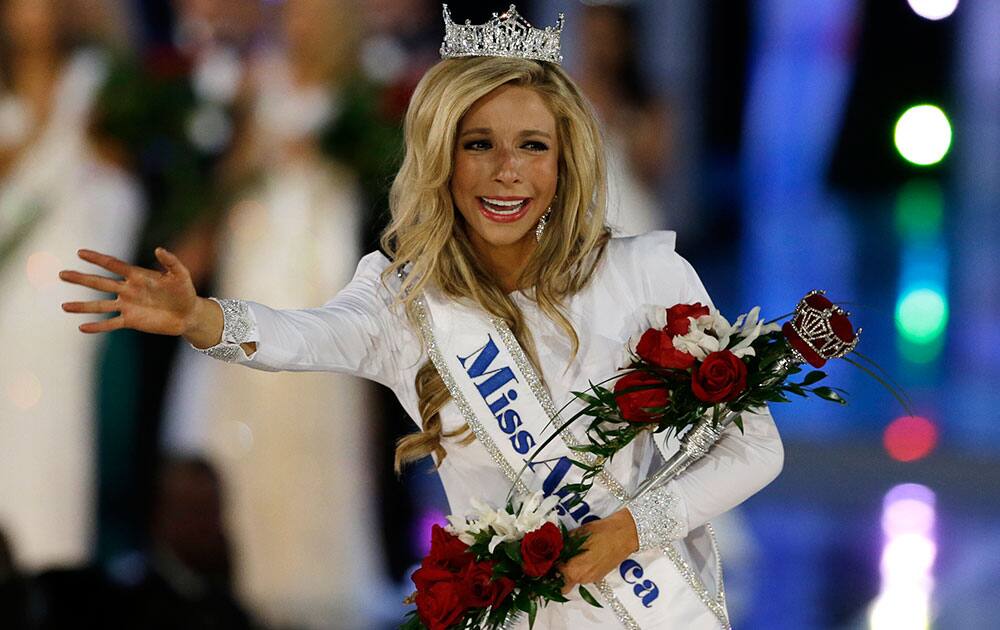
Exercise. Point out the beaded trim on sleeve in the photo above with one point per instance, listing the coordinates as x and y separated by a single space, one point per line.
237 326
654 513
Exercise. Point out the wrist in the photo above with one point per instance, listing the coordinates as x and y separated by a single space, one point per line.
204 326
629 534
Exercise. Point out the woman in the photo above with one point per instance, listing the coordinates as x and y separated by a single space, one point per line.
501 293
58 184
290 238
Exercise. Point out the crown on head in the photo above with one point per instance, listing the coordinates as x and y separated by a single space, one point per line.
506 35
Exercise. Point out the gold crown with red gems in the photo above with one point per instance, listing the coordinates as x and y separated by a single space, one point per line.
506 35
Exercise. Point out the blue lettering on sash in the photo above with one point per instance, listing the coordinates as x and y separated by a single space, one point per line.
631 571
477 365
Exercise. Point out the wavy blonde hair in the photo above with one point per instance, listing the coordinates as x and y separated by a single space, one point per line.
427 235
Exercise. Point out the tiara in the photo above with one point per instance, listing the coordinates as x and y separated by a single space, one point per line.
506 35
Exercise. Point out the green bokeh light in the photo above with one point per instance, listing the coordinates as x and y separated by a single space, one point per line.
921 315
919 209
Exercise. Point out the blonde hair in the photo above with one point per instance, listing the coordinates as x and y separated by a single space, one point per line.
427 236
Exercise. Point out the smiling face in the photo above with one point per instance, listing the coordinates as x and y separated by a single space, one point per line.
506 169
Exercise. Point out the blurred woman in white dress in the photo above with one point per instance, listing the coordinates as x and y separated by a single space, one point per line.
293 451
55 189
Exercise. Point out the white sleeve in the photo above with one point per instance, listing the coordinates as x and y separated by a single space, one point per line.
353 333
737 467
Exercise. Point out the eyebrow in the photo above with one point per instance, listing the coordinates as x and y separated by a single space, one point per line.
487 131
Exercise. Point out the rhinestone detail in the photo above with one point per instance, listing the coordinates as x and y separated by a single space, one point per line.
654 522
507 35
237 328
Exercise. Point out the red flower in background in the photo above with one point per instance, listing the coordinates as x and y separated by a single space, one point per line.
721 377
633 405
540 549
677 317
657 347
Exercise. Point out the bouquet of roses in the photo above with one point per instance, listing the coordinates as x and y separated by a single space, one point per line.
493 565
694 373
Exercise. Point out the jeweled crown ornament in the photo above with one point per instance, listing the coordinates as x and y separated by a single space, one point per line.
820 330
506 35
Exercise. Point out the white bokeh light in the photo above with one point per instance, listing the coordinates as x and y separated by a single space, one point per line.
923 135
933 9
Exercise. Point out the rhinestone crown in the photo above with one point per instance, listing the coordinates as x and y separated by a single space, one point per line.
506 35
823 327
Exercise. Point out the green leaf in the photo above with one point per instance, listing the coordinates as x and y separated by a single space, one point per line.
532 611
813 377
513 551
587 597
829 394
738 421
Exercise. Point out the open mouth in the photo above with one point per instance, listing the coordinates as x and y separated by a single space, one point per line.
504 209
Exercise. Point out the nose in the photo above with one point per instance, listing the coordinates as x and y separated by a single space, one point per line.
508 167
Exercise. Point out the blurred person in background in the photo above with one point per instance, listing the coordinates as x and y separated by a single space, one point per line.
15 591
185 581
635 119
295 451
58 184
171 112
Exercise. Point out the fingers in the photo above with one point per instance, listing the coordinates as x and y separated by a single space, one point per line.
95 306
110 263
100 283
170 262
105 325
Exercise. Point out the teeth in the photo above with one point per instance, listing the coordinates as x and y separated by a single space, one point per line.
500 206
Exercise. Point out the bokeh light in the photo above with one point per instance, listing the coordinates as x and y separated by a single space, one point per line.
921 314
903 603
910 438
923 135
919 209
933 9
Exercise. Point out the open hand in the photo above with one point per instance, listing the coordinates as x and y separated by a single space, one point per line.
609 541
161 302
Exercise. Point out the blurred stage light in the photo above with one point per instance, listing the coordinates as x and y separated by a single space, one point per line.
910 438
933 9
919 209
921 315
423 527
24 390
43 269
908 516
923 135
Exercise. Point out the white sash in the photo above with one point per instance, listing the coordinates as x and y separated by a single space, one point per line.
508 409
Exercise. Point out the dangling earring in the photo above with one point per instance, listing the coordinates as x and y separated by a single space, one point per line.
540 228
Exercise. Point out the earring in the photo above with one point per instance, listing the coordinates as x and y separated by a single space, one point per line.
540 228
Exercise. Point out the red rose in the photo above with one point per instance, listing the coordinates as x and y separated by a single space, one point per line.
657 347
429 574
481 589
440 605
721 377
447 551
540 549
678 314
633 405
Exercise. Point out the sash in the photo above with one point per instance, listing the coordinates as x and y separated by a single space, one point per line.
506 406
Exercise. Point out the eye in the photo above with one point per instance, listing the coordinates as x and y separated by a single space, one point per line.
535 145
477 145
